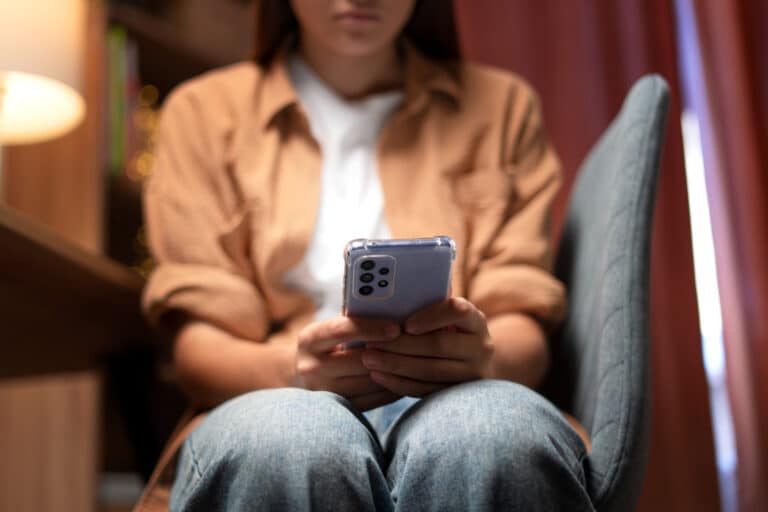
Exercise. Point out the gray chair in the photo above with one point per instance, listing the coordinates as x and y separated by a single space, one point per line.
600 371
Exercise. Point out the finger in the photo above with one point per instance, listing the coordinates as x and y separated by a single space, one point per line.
427 369
311 368
323 336
373 400
351 387
443 344
454 311
404 386
342 364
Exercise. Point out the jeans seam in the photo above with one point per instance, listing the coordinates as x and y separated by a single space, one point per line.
189 485
194 459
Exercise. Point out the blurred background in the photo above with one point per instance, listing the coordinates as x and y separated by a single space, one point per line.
82 421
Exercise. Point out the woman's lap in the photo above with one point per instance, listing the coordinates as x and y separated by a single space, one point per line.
501 444
480 445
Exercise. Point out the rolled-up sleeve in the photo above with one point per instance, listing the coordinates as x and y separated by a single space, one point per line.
515 274
199 242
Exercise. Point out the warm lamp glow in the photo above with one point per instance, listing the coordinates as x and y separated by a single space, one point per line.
37 108
41 50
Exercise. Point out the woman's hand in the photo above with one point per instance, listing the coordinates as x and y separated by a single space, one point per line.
324 363
444 344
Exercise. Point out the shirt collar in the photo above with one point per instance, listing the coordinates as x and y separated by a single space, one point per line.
422 76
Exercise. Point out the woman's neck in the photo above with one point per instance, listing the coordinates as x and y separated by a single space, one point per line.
355 77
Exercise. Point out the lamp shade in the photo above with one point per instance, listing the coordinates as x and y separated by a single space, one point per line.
41 54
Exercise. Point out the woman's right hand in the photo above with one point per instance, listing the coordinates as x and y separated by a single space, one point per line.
323 362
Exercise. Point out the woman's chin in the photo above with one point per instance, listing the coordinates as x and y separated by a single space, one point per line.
357 46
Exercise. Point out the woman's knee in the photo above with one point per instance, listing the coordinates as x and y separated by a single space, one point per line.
278 428
270 449
490 431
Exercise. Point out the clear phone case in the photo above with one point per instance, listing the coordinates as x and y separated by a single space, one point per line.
393 279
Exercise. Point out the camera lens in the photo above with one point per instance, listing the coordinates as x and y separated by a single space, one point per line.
368 265
366 278
383 283
384 271
366 290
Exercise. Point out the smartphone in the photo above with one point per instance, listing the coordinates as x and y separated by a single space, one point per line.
393 279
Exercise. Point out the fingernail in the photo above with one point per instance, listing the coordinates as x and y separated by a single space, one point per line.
392 331
412 327
371 359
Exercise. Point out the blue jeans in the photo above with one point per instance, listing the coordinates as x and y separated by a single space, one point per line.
483 445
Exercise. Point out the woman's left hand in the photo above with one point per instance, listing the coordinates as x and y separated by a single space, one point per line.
443 344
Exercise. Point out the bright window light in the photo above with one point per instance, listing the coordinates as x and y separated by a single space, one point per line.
710 314
696 124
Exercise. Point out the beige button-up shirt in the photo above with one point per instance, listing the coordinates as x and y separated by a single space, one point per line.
233 199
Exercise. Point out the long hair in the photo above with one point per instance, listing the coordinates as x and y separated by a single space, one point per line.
431 27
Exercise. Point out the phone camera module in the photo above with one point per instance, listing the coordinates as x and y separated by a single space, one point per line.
383 283
368 265
384 271
366 290
366 278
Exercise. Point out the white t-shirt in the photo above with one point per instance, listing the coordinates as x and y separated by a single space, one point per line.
351 199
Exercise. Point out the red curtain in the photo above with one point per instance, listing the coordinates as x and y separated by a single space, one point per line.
583 56
735 67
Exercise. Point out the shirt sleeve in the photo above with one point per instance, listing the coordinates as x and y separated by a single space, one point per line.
515 272
199 242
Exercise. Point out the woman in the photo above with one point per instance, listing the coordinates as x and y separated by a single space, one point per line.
357 120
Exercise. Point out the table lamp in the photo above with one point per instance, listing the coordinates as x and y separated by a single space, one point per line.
41 52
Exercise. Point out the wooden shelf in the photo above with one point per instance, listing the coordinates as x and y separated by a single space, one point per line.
156 31
61 307
165 60
170 53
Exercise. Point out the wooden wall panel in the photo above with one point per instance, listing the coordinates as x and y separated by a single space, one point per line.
49 426
49 442
60 182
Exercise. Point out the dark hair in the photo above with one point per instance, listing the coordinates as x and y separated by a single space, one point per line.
432 28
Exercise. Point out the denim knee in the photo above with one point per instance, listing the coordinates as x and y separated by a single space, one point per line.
277 448
486 444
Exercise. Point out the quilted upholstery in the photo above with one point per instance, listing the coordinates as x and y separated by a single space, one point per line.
601 368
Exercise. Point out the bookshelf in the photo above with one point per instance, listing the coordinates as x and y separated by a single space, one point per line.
168 54
171 41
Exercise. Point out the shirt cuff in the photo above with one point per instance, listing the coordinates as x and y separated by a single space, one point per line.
520 289
221 298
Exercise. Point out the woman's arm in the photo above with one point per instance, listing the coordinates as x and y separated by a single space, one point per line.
521 352
214 366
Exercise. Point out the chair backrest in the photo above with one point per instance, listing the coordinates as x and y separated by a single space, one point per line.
601 363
